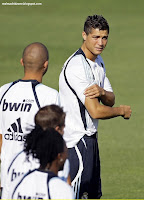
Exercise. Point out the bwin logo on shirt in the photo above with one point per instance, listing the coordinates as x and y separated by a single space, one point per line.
27 197
23 107
15 174
15 132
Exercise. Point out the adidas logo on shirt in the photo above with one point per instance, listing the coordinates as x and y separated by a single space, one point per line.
15 132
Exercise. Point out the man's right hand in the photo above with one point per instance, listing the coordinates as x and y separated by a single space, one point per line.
126 111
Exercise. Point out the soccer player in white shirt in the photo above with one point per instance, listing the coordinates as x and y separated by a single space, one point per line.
83 107
50 149
20 100
51 116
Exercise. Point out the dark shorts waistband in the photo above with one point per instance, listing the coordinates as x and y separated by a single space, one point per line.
91 136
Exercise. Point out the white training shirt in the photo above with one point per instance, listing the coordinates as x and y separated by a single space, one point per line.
77 74
42 185
19 102
20 166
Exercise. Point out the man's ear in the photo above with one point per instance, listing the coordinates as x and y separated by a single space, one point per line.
45 66
21 61
60 158
57 128
60 129
84 35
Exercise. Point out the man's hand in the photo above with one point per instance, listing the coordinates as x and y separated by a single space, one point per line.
106 97
94 91
126 111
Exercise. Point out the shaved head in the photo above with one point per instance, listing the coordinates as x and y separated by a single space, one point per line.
34 56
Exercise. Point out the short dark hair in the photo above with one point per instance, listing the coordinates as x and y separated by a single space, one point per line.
50 117
95 21
45 145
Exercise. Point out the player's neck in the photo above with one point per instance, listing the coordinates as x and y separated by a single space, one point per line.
88 54
32 77
52 167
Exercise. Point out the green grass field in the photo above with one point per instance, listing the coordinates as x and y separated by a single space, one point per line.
58 24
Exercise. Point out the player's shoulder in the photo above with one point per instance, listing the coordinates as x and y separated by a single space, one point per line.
75 65
16 160
47 95
44 88
5 86
74 59
21 183
28 176
57 181
62 188
100 61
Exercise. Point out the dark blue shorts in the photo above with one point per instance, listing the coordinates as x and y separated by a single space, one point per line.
85 168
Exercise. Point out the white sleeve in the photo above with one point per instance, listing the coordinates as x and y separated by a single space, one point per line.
57 100
63 174
76 75
107 85
54 100
60 190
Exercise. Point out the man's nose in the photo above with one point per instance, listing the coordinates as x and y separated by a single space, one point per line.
100 42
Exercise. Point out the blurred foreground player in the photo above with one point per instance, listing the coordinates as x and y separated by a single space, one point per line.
50 149
51 116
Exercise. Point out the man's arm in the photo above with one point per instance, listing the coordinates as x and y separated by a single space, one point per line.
98 111
94 91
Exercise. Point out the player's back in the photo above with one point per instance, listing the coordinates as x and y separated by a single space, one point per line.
42 185
20 165
20 101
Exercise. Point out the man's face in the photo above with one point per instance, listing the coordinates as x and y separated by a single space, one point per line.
96 41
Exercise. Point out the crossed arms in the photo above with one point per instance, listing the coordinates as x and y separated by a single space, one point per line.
105 111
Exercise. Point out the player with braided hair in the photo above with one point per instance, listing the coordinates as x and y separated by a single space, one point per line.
43 145
51 116
50 149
